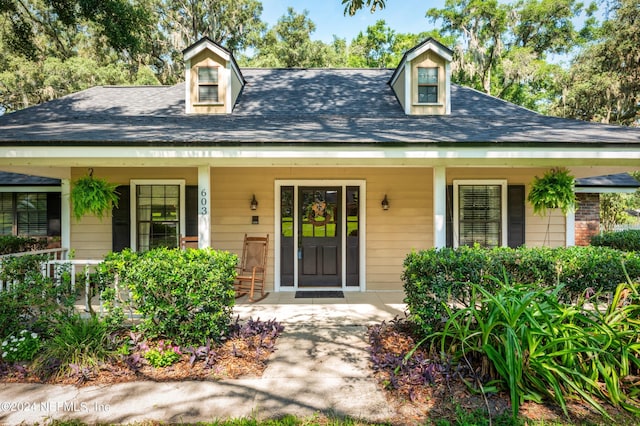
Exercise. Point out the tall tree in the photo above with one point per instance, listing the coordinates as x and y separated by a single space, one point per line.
352 6
603 83
234 24
288 44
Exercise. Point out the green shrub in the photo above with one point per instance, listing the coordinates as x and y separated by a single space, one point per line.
78 343
439 277
32 301
623 240
539 347
185 296
12 244
20 347
164 354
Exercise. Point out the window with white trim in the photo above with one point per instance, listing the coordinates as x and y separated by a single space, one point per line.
208 85
427 85
158 212
480 213
23 213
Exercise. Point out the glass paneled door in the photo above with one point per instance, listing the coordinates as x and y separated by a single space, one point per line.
319 242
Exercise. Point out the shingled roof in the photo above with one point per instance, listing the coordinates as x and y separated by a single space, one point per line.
294 106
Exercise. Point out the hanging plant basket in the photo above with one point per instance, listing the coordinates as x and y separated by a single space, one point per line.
554 190
90 195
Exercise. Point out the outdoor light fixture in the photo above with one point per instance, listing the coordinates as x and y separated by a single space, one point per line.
385 203
254 202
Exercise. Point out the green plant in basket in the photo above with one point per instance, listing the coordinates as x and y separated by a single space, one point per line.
91 195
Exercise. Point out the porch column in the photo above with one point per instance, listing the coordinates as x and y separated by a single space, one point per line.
570 229
439 207
65 213
204 206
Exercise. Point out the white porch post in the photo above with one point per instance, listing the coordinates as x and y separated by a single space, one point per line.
65 213
204 206
570 229
439 207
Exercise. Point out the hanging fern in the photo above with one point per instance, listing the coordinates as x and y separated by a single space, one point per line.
93 196
553 191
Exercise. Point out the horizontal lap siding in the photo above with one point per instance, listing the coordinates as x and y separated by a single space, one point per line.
391 234
91 238
406 226
536 226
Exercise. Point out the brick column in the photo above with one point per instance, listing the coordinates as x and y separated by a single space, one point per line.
587 218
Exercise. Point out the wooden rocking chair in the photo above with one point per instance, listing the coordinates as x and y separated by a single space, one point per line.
188 242
252 268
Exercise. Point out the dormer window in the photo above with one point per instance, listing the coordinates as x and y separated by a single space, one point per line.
422 80
208 85
427 85
213 81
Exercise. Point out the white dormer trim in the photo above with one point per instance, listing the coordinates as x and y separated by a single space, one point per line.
405 70
206 44
187 86
430 45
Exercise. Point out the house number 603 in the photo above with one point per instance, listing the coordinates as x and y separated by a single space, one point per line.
204 201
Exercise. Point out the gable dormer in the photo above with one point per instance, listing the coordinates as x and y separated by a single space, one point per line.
422 80
213 80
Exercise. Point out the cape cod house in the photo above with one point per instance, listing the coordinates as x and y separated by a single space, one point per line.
347 170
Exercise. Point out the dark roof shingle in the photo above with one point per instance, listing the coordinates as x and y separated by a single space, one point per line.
293 106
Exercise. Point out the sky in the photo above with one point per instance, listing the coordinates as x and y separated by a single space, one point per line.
402 16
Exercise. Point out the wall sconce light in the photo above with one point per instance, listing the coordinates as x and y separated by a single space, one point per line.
254 202
385 203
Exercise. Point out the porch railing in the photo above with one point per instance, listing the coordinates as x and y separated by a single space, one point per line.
56 254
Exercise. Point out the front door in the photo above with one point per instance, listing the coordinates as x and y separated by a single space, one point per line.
319 254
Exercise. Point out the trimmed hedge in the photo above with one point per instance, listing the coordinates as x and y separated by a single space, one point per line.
433 278
11 244
31 302
628 240
186 296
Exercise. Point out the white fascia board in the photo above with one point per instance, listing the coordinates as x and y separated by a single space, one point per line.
205 44
430 46
120 156
604 190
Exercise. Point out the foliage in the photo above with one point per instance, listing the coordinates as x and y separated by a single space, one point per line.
614 209
31 301
288 44
352 6
13 244
162 354
77 343
185 296
93 195
541 348
603 83
232 23
624 240
554 190
439 277
502 47
20 347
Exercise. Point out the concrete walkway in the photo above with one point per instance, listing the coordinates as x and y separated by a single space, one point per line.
320 366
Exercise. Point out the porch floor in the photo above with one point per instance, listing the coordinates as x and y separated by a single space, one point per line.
356 308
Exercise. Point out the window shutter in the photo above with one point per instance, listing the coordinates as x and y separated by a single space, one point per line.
121 220
515 215
54 214
449 221
191 210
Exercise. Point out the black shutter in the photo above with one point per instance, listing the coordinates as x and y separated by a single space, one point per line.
449 221
515 215
191 210
54 214
121 220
